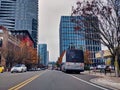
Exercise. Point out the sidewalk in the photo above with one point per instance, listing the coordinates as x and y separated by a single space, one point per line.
108 80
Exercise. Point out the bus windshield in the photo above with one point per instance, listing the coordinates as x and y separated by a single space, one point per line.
74 56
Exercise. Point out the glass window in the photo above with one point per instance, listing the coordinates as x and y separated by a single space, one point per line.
74 56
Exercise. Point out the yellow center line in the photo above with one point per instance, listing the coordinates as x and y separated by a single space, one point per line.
13 88
25 82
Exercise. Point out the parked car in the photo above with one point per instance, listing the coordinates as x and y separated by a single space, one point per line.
91 67
1 69
19 68
101 66
43 68
38 69
34 69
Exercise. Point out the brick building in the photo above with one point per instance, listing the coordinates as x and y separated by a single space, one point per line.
7 41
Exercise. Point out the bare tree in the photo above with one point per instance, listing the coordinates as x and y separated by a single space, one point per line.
87 59
9 54
106 24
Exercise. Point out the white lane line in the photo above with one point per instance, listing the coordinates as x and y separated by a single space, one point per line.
89 83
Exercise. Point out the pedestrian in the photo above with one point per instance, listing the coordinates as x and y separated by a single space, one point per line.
94 69
107 69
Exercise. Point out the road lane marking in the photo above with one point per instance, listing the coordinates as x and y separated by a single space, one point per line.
89 83
23 83
27 82
19 84
17 87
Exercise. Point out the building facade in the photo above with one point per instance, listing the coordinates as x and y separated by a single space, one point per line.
71 35
20 15
8 44
42 52
104 55
23 36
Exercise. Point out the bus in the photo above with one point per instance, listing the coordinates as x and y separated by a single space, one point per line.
73 61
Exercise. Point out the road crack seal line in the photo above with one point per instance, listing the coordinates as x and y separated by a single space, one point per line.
89 83
17 87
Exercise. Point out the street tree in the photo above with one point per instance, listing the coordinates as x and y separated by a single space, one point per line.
33 58
87 58
106 24
22 55
9 55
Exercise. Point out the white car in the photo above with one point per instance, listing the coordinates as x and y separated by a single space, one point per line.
19 68
101 66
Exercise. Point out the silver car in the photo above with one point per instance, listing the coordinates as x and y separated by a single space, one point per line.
19 68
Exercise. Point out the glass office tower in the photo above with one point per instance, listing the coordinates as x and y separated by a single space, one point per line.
20 15
42 52
77 37
68 36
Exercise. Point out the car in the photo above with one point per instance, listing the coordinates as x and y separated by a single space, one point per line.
43 68
19 68
38 69
91 67
101 66
33 69
1 69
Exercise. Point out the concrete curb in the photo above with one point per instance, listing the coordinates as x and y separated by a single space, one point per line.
105 83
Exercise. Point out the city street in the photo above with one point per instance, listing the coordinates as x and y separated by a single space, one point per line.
41 41
47 80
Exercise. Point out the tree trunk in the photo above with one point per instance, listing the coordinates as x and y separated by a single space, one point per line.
117 73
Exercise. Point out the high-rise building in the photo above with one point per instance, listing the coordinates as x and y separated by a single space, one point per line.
47 57
20 15
74 36
68 36
42 52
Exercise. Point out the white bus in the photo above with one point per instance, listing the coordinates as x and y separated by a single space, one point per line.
73 61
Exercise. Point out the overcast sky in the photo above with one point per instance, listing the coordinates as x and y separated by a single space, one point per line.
50 12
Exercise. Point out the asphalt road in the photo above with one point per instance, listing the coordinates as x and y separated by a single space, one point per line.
47 80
